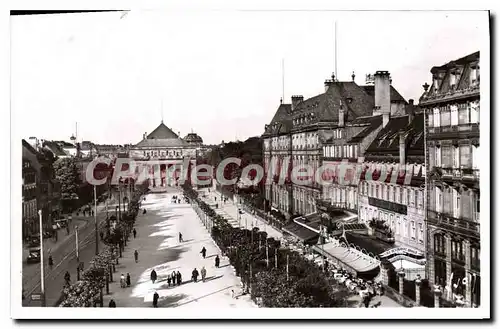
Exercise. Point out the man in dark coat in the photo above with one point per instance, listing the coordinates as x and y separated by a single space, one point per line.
112 303
195 275
136 256
135 233
180 237
154 276
203 252
179 278
155 299
128 279
217 261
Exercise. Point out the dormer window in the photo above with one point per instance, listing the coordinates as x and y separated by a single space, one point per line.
453 79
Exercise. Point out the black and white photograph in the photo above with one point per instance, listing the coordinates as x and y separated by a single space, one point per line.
237 164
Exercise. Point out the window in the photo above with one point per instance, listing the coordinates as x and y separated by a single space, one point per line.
447 156
420 232
445 117
438 156
457 251
376 191
393 193
405 228
456 204
403 196
437 117
439 244
413 230
372 191
474 112
465 156
418 199
454 115
398 223
474 255
431 119
386 192
463 114
439 199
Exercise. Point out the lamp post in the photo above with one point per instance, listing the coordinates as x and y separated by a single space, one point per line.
418 282
42 271
95 222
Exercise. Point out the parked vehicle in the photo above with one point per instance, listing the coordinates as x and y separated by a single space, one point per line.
61 223
34 241
34 256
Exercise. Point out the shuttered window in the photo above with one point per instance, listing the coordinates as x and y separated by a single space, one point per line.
465 206
438 157
447 201
432 156
463 114
454 115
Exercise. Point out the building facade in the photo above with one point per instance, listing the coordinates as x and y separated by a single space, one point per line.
167 148
451 106
30 210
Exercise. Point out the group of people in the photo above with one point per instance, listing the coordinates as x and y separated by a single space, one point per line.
175 278
125 282
366 289
176 199
194 274
86 211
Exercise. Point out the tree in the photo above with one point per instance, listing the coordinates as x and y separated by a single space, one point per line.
67 174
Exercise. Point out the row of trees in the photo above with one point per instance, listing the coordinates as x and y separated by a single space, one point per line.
88 291
274 276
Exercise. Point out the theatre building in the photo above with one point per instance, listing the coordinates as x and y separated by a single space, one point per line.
451 106
159 151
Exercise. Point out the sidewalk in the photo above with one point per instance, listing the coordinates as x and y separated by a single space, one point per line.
158 247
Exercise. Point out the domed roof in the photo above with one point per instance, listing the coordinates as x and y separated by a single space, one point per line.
193 138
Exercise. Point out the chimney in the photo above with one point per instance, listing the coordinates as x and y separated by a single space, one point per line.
296 99
382 95
33 141
410 110
328 82
341 115
145 136
402 148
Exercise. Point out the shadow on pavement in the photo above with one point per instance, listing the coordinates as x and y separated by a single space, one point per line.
169 301
224 265
210 278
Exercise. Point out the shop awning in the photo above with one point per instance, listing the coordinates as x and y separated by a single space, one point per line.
352 257
301 232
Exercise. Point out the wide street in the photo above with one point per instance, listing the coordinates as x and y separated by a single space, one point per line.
159 249
64 257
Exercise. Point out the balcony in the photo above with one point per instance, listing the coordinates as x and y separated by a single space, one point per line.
460 131
450 223
470 174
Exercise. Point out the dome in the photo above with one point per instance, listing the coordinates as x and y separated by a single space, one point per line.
193 138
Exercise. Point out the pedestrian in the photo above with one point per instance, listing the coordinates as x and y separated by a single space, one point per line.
203 252
216 206
215 198
194 275
92 213
153 276
112 303
232 293
155 299
67 277
180 237
203 273
217 261
174 276
169 279
128 279
123 283
135 233
179 278
136 256
51 261
102 235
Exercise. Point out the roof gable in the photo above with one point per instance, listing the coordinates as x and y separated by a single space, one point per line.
162 132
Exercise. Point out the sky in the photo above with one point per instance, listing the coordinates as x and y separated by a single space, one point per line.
217 73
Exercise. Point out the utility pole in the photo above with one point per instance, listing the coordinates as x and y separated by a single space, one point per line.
95 221
267 253
42 271
77 254
276 257
287 271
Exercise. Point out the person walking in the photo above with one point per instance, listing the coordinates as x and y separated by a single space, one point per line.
112 303
101 234
136 256
154 276
67 278
203 252
180 237
194 275
179 278
203 273
128 279
173 276
217 261
155 299
135 233
169 280
123 283
51 262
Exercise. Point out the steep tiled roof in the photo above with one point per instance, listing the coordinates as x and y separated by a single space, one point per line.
325 107
54 147
193 138
387 141
395 95
372 122
162 132
281 122
170 142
